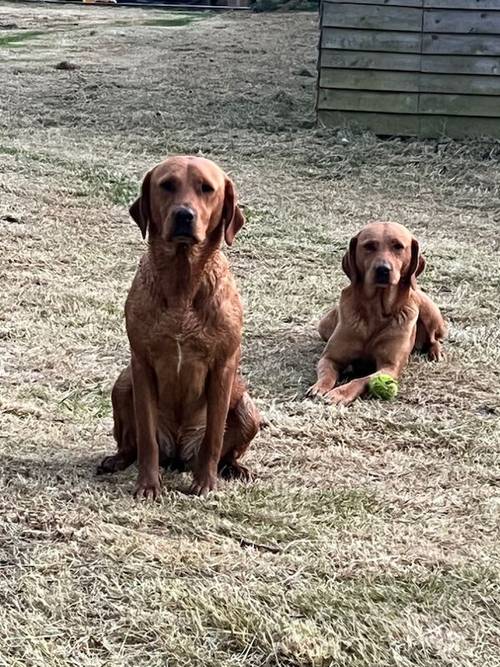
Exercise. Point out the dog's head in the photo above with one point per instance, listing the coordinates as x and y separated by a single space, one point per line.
383 254
187 200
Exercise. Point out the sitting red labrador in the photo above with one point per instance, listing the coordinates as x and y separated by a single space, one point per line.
181 401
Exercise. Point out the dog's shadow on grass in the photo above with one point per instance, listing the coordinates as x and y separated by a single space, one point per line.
278 366
281 364
78 473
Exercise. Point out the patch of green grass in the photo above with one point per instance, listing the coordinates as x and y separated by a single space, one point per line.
172 21
16 39
96 180
91 401
287 5
264 515
109 185
39 392
8 150
400 620
176 22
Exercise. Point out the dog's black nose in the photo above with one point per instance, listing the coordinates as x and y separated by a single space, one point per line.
184 215
382 274
183 221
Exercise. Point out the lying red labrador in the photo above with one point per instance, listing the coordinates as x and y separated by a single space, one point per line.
382 315
182 401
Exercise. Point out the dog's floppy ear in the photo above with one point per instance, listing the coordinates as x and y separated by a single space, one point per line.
232 217
140 209
417 264
349 261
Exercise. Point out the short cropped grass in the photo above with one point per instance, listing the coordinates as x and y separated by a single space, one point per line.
369 537
17 38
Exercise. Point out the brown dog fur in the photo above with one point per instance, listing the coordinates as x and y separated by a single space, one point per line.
377 322
182 401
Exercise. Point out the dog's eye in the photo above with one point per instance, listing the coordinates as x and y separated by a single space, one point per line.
168 186
370 247
398 246
206 187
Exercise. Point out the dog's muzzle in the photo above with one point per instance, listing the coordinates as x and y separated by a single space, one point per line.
382 274
184 219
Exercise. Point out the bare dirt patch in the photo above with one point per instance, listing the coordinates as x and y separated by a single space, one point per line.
370 536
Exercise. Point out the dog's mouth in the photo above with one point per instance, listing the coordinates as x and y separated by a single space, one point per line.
184 239
382 283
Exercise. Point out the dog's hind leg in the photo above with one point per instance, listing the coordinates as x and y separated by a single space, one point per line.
242 425
431 328
122 399
328 323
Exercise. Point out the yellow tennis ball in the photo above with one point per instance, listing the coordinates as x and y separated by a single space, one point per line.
383 386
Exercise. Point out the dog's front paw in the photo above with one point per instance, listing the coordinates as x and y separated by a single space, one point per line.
435 351
203 483
148 486
235 470
112 464
343 395
319 389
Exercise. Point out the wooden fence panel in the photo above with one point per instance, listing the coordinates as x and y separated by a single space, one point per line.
345 100
466 22
423 67
372 17
370 60
384 3
466 45
371 40
417 82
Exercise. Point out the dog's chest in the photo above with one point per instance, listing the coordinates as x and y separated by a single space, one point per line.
178 340
183 350
374 334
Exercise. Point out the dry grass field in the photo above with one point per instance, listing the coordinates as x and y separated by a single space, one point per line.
370 536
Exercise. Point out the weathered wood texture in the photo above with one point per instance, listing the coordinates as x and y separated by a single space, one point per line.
430 4
372 17
375 40
413 124
383 3
413 82
408 62
423 67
